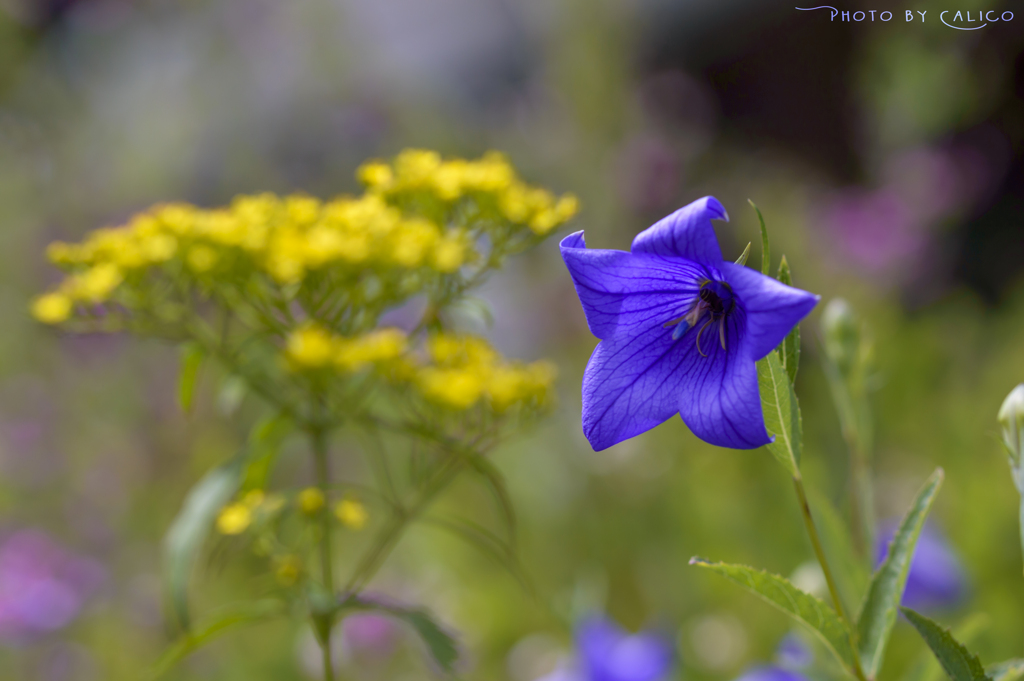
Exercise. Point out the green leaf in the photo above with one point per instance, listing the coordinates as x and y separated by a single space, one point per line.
742 260
789 350
440 644
265 440
191 360
503 553
927 668
781 412
959 663
805 608
189 530
879 610
1011 670
766 254
1022 516
851 572
232 392
220 622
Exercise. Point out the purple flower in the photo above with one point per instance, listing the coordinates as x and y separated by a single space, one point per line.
936 577
680 331
371 634
793 653
42 585
605 652
771 673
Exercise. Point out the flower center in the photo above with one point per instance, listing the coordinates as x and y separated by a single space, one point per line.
711 307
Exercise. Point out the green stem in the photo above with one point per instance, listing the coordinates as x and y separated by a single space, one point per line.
392 531
819 552
323 481
861 498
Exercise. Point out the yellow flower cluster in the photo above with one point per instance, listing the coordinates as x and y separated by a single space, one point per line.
292 238
235 518
352 514
466 370
419 170
312 347
461 370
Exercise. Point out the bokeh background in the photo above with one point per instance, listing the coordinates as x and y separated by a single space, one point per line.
887 159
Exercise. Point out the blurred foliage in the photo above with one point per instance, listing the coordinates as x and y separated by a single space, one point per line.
107 107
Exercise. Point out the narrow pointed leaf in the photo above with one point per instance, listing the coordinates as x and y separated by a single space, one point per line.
789 351
1011 670
265 442
742 260
781 412
852 573
927 668
959 663
439 643
1021 484
880 608
221 622
809 610
189 530
191 360
766 254
502 552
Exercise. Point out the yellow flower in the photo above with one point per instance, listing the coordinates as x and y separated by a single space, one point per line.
310 347
311 500
302 210
506 386
51 308
375 175
287 569
380 345
453 350
352 514
96 283
416 167
568 205
202 258
455 388
449 178
253 498
60 253
234 519
413 241
449 254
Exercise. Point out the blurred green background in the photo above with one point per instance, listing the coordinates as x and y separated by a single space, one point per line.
886 156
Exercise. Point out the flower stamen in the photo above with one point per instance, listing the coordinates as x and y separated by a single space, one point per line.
698 336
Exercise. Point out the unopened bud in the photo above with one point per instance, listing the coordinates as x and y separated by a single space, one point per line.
842 335
1011 418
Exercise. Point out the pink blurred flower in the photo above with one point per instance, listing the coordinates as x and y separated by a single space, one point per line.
43 586
371 634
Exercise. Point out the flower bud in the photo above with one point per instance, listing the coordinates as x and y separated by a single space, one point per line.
1011 418
842 334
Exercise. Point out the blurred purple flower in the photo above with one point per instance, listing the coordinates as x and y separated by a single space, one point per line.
876 229
680 332
42 585
771 673
936 577
370 634
793 653
606 652
882 229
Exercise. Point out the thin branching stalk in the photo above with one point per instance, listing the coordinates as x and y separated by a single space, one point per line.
819 552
